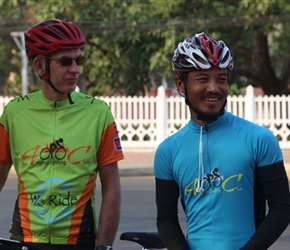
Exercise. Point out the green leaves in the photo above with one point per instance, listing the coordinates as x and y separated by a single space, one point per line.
131 42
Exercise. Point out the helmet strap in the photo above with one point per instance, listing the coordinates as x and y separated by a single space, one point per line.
69 98
183 76
46 77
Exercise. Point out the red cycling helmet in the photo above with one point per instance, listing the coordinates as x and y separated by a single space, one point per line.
53 35
201 52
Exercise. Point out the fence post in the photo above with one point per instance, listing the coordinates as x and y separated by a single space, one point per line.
250 104
161 115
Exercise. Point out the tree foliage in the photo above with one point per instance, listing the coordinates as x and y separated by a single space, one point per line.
130 43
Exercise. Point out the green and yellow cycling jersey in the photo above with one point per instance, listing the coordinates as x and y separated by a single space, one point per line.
56 149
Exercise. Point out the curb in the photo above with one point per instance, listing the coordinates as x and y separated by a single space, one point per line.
142 171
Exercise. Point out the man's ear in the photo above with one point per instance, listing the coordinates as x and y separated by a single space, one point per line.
179 85
39 65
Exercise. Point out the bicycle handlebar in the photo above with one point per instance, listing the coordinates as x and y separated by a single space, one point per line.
149 240
7 244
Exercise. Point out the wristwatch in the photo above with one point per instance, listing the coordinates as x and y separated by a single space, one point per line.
103 248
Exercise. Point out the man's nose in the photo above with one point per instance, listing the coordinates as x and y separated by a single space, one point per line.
212 85
74 67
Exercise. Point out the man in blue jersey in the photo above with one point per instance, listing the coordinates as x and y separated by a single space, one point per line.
222 167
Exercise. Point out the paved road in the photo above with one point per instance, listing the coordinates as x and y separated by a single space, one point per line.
138 210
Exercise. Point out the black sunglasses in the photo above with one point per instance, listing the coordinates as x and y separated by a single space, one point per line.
67 61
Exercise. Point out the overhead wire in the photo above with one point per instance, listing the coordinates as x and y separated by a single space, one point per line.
116 25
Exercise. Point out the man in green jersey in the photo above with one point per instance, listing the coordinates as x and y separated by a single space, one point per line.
58 140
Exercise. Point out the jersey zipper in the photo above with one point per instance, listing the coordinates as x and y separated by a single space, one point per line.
54 125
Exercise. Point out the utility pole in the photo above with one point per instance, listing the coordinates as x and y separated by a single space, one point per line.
19 40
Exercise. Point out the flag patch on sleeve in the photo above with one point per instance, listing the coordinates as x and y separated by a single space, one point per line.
117 143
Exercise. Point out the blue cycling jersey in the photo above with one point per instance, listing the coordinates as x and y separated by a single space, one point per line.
214 167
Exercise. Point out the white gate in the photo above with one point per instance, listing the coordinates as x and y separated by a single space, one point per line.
143 122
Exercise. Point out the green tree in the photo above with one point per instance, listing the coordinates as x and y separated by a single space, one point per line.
131 42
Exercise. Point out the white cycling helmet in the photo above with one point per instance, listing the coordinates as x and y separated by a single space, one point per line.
201 52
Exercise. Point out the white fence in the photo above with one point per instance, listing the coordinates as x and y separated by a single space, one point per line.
143 122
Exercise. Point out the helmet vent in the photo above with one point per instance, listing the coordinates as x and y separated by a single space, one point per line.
225 57
42 48
185 63
70 45
199 59
211 48
29 40
196 42
46 23
57 33
43 39
71 31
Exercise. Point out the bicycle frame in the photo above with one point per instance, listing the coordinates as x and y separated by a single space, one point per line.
148 240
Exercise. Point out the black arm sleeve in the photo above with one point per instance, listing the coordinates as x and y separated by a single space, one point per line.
274 183
167 193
